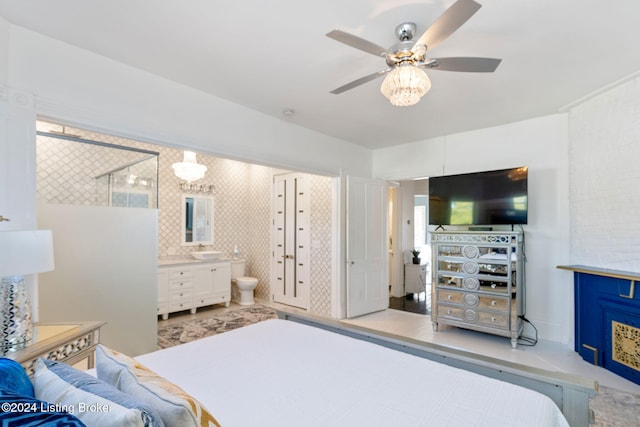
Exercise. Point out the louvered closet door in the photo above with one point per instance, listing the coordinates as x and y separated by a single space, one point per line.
291 220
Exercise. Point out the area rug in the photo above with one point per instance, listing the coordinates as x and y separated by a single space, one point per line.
193 329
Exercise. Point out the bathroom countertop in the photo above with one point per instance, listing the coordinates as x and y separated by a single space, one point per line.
162 262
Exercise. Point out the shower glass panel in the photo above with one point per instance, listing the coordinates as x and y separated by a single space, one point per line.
132 186
73 169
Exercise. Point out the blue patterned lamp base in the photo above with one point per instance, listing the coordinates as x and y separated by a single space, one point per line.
15 311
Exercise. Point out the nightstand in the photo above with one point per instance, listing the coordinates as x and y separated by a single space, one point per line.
415 278
68 343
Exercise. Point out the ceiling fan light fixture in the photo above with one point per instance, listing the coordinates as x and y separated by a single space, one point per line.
405 85
189 169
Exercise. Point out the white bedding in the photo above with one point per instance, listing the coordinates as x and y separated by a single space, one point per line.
281 373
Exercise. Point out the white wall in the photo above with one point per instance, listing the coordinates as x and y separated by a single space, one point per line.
605 179
17 156
542 145
5 29
78 87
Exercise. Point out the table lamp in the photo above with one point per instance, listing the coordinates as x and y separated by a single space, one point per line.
21 253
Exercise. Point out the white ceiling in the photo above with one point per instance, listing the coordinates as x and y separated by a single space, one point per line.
274 55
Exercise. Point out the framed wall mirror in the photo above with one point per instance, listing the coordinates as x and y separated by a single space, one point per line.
197 220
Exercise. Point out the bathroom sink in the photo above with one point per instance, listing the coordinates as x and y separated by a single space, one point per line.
204 255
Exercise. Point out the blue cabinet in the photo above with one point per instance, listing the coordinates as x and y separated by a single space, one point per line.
607 319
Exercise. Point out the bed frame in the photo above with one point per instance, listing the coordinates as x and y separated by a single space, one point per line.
571 393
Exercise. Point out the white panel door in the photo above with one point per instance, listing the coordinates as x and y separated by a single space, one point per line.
367 246
292 240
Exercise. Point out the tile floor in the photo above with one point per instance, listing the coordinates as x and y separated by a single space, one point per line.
547 355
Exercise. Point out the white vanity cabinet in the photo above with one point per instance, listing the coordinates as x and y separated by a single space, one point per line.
212 284
163 293
192 285
181 289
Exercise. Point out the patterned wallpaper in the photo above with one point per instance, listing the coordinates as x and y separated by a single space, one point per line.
321 202
242 201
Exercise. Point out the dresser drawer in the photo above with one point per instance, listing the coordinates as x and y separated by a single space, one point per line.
180 305
210 300
178 285
472 316
180 295
451 312
494 303
452 297
180 274
495 320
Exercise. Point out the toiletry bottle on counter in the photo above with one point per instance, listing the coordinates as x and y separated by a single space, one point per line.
236 252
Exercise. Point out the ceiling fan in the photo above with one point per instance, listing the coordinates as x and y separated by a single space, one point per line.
406 81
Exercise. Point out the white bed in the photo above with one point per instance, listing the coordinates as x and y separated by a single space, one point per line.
282 373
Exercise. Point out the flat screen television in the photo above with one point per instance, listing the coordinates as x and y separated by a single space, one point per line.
496 197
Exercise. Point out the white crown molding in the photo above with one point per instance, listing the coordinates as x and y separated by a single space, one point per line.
598 92
16 97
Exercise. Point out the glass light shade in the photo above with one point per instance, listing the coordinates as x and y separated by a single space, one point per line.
189 169
405 85
21 252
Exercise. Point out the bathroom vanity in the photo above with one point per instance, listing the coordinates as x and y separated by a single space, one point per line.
189 284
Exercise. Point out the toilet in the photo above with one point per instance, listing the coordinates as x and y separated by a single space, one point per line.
242 293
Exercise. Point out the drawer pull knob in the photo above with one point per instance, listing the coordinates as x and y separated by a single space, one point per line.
493 302
493 319
449 297
448 311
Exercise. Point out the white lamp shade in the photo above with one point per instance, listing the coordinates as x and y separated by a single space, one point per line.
25 252
405 85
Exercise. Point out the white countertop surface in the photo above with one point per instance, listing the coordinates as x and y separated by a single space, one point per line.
181 260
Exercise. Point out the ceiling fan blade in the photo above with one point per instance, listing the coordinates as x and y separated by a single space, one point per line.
466 64
360 81
358 43
448 23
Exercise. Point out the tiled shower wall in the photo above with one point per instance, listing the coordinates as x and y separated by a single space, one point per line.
242 202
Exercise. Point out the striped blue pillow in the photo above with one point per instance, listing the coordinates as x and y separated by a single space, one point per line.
63 384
